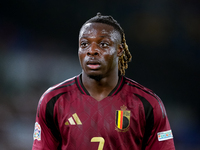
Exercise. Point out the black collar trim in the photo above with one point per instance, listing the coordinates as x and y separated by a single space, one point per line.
83 90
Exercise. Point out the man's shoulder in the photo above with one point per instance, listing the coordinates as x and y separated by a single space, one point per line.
146 95
137 87
141 91
60 88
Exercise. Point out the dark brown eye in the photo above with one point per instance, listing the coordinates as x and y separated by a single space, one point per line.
104 44
84 44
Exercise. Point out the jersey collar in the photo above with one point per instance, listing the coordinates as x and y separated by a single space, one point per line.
83 90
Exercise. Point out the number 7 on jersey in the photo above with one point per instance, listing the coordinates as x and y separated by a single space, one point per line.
100 140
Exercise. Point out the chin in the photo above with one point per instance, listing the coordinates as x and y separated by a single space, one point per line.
95 77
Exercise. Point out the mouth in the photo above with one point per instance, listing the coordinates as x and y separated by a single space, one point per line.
93 64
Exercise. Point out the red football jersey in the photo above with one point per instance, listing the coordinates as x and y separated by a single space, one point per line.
131 117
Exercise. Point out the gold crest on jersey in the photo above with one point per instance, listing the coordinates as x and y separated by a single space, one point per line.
122 119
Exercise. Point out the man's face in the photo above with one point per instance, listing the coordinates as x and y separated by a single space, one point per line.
99 48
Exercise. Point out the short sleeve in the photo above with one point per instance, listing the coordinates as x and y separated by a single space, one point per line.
161 135
43 136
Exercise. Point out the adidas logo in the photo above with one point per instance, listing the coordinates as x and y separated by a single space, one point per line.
74 120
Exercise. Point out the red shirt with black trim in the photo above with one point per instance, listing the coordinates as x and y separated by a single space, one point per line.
131 117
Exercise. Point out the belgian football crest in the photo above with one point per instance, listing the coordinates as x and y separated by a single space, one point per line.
122 119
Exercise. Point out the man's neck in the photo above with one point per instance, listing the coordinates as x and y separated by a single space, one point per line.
101 87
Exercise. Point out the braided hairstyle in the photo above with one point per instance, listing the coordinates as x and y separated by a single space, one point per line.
126 56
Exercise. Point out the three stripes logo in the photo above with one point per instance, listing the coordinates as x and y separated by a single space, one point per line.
122 119
74 120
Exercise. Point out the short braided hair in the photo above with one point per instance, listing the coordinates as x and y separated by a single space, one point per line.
126 56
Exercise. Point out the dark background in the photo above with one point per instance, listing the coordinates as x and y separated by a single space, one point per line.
38 48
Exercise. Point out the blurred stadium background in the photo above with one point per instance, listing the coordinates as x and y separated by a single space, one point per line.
38 48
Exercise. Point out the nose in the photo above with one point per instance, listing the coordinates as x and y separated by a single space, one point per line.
93 50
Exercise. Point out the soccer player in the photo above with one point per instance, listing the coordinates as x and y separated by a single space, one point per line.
101 109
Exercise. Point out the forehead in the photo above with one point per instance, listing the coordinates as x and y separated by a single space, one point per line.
99 28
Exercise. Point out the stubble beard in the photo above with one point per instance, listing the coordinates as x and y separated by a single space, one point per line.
96 77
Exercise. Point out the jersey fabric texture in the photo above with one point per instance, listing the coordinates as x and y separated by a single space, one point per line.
131 117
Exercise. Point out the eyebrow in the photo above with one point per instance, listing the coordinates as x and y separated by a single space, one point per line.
102 36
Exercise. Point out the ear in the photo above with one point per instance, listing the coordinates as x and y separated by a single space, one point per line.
120 50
